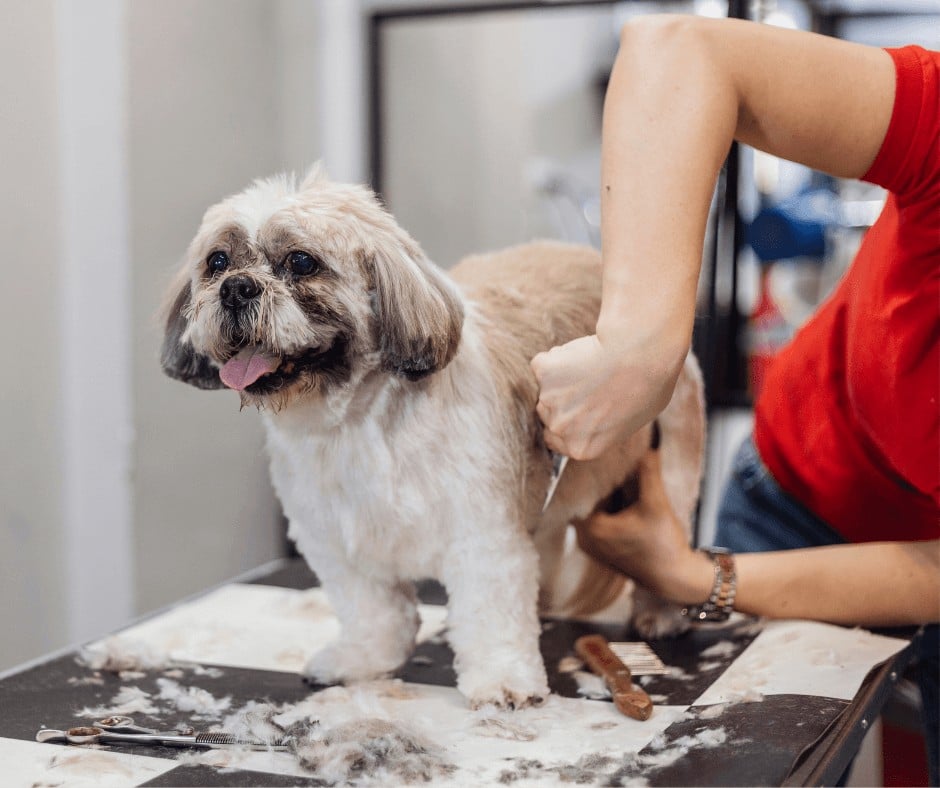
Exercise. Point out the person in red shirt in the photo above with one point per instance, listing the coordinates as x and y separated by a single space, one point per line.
833 508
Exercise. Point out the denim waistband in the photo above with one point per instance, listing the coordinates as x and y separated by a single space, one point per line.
748 465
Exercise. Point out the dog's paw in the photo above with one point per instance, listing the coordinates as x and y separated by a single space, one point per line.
654 617
343 662
512 689
660 622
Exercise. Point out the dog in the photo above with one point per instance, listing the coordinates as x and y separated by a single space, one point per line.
399 409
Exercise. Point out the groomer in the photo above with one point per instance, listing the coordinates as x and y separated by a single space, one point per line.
833 505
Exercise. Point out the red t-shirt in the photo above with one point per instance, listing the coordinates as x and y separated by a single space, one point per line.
847 421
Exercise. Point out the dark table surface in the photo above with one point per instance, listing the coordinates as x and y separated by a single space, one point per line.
766 704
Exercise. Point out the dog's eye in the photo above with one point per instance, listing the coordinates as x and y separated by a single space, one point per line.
217 262
301 263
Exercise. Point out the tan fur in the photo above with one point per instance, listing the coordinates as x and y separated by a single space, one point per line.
536 296
599 587
532 297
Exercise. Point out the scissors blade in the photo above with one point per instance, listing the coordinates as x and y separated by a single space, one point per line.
559 463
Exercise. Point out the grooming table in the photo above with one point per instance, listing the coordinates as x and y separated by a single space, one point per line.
744 703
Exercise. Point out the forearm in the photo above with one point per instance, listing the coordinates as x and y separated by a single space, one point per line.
681 90
873 584
668 124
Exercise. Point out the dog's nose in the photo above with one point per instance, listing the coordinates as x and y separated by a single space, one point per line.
238 291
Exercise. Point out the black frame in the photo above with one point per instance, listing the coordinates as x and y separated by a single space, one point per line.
716 334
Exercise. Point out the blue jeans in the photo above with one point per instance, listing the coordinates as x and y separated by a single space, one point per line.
756 515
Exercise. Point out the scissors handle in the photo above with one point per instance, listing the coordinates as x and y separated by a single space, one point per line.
122 724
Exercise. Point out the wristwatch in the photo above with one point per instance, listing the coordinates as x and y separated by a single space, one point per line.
720 602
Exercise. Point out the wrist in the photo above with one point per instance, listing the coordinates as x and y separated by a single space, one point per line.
659 312
720 602
693 580
658 344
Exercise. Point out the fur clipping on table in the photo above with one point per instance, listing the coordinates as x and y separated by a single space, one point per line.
370 747
343 734
120 655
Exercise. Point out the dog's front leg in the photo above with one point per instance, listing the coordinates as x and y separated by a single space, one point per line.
493 624
379 622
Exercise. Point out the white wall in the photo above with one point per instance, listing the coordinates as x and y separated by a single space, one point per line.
32 558
472 105
94 315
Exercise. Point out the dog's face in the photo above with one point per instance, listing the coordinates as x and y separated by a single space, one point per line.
290 291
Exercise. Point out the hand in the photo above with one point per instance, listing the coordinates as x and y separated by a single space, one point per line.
594 393
647 542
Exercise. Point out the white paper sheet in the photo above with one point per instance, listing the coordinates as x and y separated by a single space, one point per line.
803 658
29 763
255 626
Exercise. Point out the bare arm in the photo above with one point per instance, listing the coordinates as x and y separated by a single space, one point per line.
681 89
872 584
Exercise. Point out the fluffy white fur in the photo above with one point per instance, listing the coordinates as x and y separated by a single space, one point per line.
401 427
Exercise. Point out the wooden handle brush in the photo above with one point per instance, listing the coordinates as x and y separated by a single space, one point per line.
630 700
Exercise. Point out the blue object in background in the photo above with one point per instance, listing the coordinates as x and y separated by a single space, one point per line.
795 227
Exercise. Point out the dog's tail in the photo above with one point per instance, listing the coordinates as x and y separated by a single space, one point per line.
600 586
574 585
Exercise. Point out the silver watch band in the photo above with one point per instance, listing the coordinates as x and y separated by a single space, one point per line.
720 602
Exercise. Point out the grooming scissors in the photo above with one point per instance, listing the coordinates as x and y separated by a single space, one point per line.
122 730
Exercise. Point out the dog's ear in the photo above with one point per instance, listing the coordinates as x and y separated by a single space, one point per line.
420 314
177 356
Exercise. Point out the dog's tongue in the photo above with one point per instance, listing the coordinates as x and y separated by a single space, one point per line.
240 371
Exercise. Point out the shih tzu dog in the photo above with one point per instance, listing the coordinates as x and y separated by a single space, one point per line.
399 408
